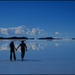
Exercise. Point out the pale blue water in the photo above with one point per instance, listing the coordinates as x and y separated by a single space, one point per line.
42 57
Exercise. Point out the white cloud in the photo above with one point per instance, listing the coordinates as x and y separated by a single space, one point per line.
42 32
4 31
22 30
56 32
37 31
33 31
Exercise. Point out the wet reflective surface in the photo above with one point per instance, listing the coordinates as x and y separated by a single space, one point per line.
42 57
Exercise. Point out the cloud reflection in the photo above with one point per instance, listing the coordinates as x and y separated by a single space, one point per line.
36 46
56 44
31 45
4 47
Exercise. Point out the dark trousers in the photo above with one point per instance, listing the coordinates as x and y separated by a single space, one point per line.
22 54
13 55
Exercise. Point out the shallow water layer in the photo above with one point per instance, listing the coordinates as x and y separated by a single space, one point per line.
42 57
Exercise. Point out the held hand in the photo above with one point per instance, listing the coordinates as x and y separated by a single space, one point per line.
16 49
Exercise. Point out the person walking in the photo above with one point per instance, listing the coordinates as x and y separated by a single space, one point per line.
23 49
12 50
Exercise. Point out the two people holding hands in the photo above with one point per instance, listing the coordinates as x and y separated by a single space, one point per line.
23 49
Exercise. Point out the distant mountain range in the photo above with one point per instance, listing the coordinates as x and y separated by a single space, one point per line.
49 38
45 38
14 38
73 38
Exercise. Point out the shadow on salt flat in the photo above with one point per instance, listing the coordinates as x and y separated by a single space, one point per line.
28 60
20 60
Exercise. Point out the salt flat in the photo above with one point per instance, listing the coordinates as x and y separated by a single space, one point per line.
54 57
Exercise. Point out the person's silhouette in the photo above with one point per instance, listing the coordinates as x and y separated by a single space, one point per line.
23 49
12 50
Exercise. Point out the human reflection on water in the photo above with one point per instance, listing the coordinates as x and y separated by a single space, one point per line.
12 50
23 49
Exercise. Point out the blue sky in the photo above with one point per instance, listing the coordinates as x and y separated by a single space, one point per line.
56 18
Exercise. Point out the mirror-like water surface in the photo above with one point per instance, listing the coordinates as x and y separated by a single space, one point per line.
42 57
